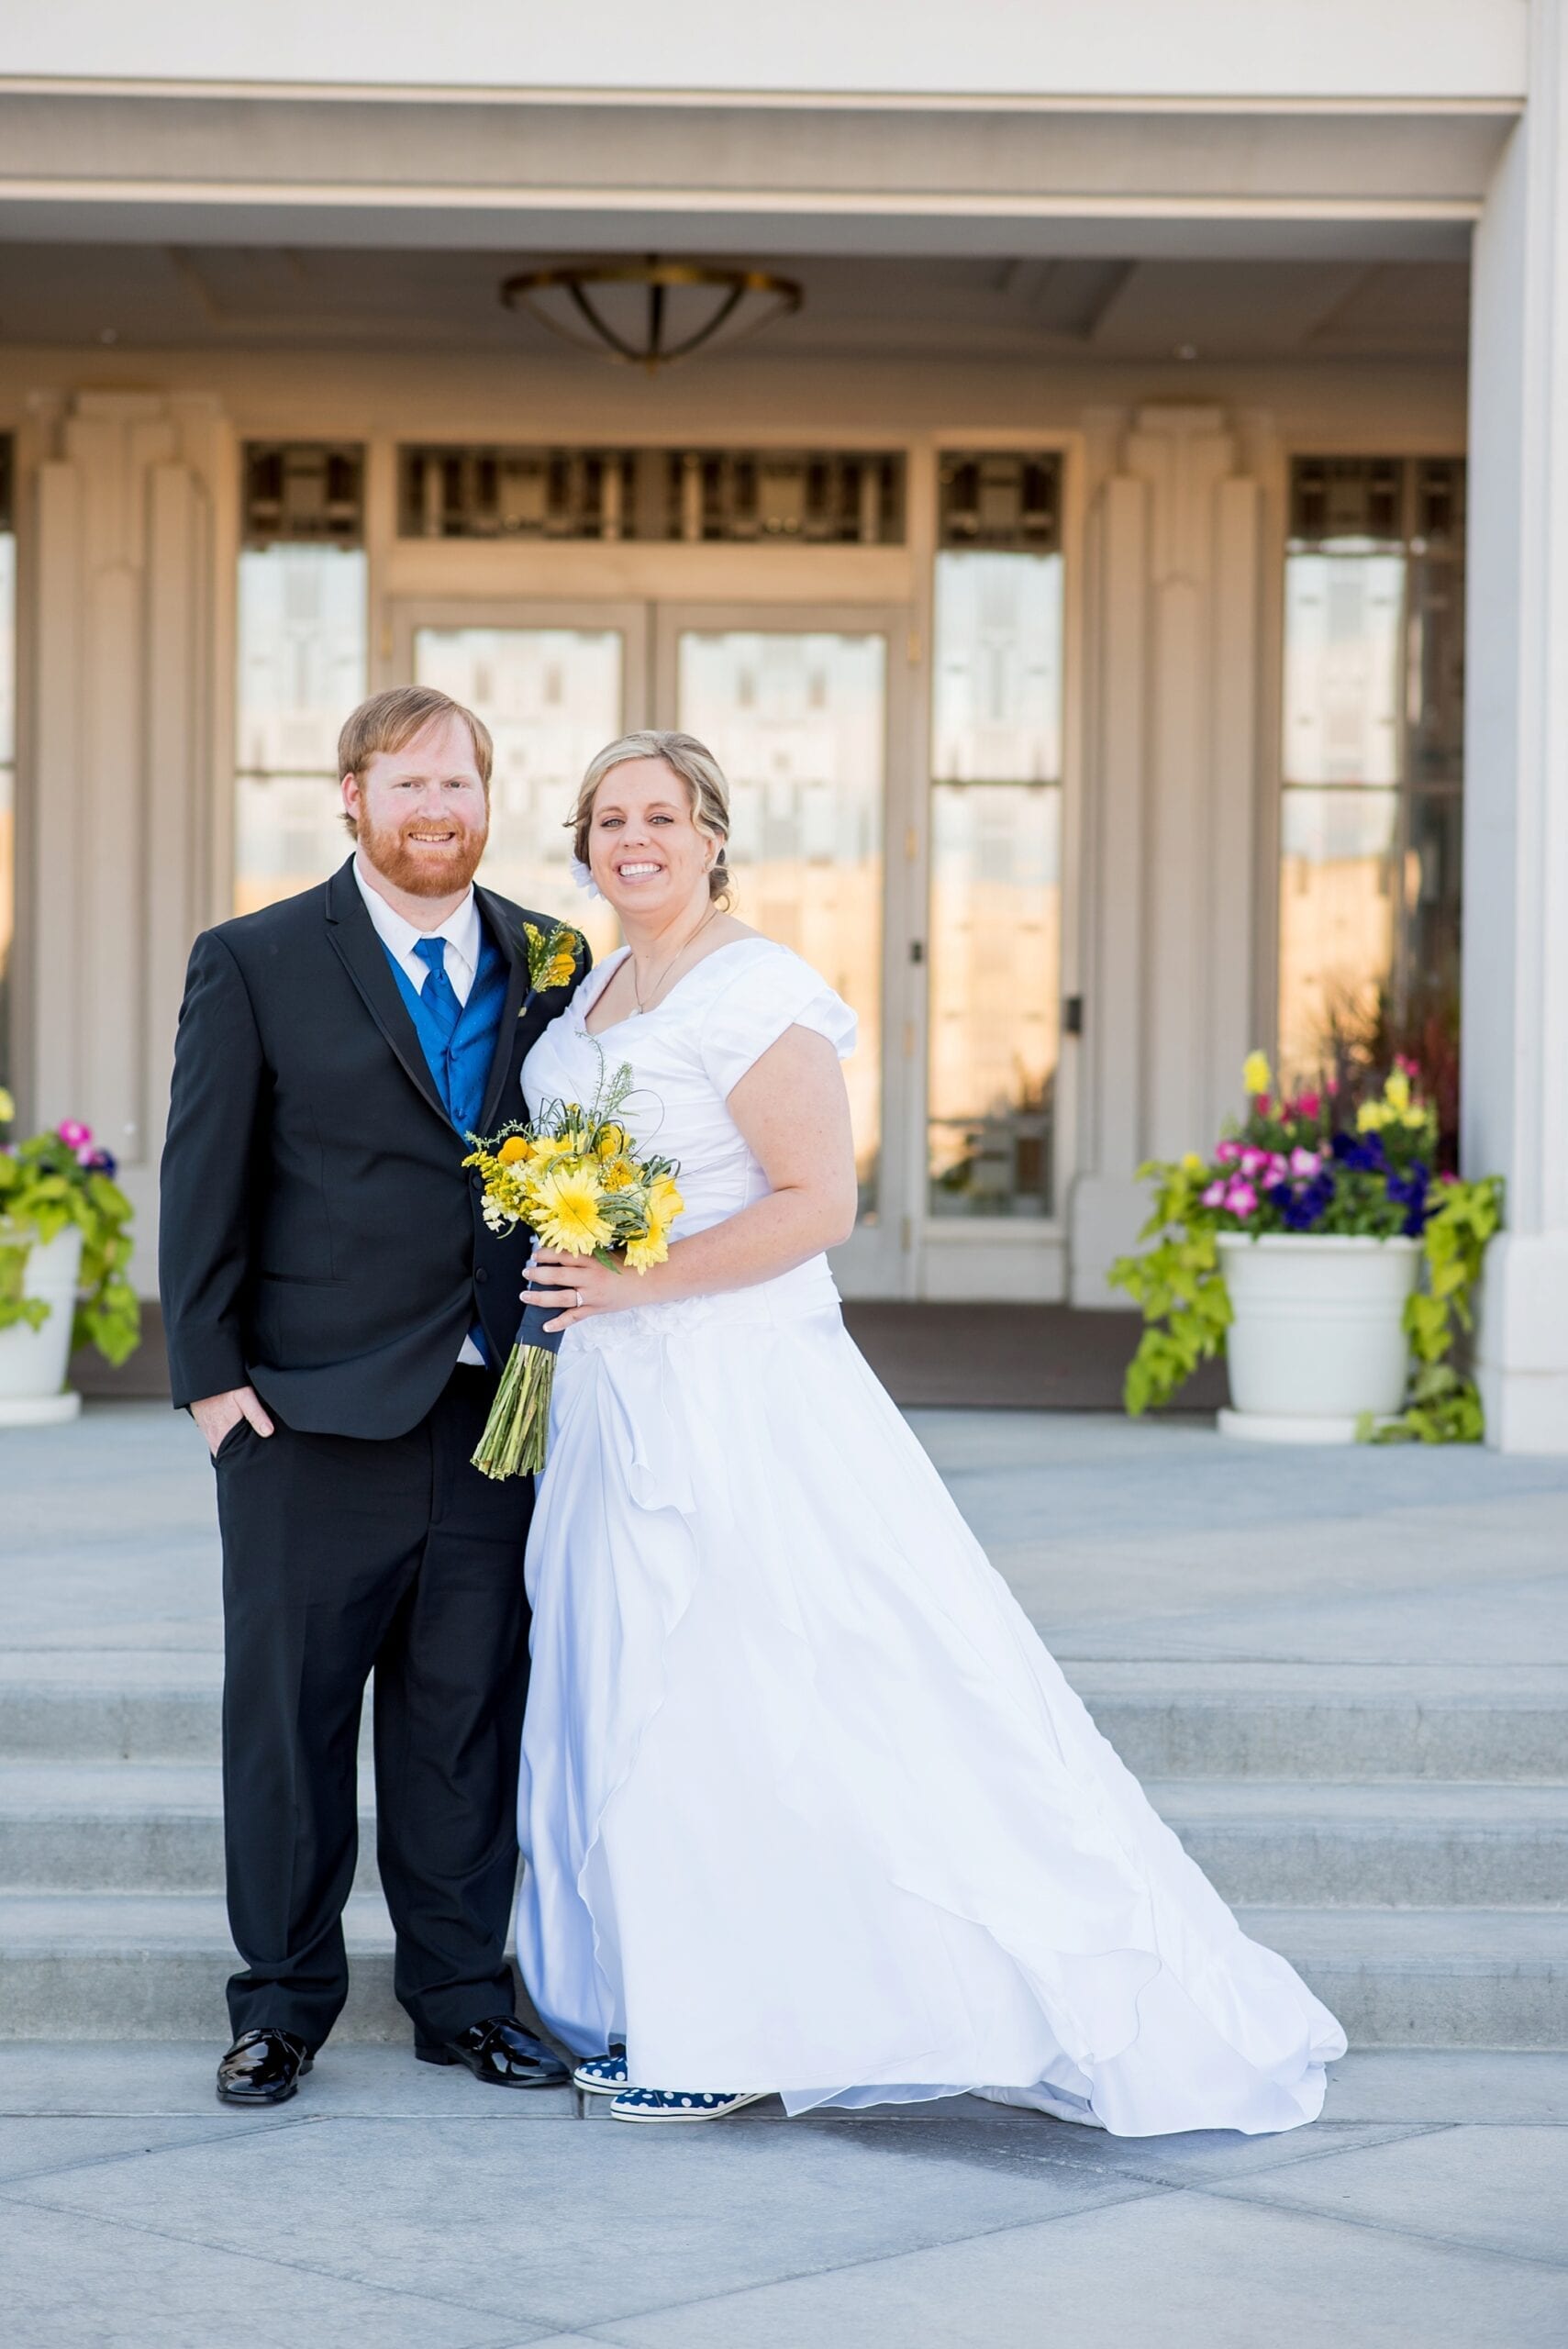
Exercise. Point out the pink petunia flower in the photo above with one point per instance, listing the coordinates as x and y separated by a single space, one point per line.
1226 1153
1215 1195
1305 1162
1254 1162
1240 1198
73 1133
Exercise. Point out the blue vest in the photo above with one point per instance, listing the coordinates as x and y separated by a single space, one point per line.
460 1064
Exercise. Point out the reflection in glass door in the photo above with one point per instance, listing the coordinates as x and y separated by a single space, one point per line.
551 695
798 720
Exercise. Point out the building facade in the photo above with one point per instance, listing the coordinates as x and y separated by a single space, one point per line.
1127 594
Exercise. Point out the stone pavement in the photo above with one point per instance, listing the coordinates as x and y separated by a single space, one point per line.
1345 1676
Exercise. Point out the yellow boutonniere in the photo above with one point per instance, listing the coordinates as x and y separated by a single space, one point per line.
552 960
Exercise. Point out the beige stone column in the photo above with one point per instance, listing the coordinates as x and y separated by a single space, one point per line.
122 768
1515 1078
1172 782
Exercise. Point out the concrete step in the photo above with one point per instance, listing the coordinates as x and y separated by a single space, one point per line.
1430 1977
1414 1843
142 1965
104 1705
1167 1720
150 1827
80 1965
158 1827
1349 1722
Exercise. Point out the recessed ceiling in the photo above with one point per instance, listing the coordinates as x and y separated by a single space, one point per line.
274 297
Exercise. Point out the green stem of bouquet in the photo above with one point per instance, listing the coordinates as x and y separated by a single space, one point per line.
513 1443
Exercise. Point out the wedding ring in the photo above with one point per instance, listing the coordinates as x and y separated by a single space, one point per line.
578 1293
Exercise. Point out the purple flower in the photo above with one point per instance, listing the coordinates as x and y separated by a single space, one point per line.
1361 1154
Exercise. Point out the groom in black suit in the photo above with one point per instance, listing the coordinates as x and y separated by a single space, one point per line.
337 1315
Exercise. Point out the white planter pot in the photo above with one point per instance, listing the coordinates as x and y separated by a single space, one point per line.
1318 1333
33 1361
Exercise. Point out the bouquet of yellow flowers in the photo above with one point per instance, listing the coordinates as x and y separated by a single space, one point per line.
573 1177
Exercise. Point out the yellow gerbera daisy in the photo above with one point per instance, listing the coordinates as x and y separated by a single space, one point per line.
664 1201
565 1203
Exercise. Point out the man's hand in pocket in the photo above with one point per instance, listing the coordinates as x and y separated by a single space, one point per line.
216 1415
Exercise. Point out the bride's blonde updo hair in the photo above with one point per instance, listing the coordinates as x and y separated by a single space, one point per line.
698 770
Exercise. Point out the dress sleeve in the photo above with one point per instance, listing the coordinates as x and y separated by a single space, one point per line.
775 992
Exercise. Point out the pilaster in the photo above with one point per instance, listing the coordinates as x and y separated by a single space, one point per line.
1174 780
121 762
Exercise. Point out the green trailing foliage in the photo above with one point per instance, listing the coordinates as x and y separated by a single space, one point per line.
48 1183
1442 1405
1178 1286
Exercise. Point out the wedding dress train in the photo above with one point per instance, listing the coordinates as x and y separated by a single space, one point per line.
806 1803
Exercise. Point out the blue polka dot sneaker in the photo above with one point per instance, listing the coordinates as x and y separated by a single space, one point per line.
601 2076
669 2104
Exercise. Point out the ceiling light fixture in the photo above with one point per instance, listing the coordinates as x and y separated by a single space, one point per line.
651 313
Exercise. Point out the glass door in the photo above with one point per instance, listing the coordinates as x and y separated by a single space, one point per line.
801 709
554 684
805 709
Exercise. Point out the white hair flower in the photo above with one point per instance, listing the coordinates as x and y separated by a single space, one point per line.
584 879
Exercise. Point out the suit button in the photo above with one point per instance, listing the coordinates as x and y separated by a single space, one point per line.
480 1277
478 1181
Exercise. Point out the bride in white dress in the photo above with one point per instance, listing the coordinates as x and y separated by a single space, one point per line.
807 1807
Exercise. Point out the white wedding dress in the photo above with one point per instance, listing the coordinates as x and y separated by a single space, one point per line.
805 1804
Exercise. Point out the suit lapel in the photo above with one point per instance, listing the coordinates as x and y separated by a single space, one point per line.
361 952
514 946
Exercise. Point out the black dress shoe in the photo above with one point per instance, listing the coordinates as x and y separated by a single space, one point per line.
501 2053
262 2067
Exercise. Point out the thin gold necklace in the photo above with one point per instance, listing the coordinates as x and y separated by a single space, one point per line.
637 991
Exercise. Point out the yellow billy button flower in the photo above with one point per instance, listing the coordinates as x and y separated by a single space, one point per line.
514 1151
1255 1075
566 1202
557 970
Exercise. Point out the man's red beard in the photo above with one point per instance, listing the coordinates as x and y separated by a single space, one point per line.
421 873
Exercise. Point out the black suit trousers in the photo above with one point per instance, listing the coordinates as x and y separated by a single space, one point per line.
344 1555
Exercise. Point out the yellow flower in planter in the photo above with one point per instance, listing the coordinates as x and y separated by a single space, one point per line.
1256 1075
7 1107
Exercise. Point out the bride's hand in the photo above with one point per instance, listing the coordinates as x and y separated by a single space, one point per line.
576 1283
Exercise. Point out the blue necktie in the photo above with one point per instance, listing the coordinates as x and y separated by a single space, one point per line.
437 995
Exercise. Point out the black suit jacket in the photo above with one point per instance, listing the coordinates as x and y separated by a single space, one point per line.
320 1239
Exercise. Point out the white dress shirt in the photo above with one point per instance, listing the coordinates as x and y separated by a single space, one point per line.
461 930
